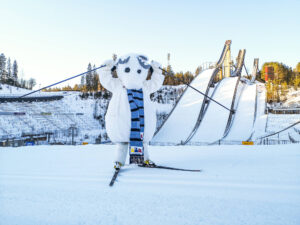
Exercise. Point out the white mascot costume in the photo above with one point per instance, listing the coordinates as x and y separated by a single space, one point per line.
132 71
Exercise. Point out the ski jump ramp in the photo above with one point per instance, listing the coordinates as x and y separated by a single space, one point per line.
182 119
195 120
188 112
214 123
243 123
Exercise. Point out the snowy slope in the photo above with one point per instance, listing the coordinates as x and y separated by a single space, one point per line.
261 118
241 128
11 91
69 185
278 122
293 98
182 120
213 125
6 90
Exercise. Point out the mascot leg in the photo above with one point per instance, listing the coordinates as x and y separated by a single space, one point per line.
146 153
121 153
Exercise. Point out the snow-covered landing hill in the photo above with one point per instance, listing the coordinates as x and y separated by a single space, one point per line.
239 185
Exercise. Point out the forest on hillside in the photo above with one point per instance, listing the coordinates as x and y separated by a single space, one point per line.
285 78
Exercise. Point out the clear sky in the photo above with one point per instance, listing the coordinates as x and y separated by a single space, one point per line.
52 40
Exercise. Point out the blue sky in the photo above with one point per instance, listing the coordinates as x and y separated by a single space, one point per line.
53 40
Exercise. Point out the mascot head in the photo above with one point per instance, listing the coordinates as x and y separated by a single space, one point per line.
132 70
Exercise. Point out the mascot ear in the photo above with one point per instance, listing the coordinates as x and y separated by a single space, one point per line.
143 57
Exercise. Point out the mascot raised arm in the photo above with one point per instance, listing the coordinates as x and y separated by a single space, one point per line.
131 116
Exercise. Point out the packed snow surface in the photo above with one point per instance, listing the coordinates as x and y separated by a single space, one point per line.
69 185
185 114
259 127
213 126
245 115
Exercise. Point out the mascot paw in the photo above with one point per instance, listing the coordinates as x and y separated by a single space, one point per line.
109 64
156 66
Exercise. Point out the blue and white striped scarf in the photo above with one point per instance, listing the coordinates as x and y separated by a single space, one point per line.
136 102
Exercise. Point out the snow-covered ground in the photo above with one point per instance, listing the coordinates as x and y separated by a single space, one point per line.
293 98
69 185
278 122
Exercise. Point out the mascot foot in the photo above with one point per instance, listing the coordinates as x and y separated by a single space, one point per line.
118 165
149 163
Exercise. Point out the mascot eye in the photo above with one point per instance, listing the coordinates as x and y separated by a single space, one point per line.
139 71
127 69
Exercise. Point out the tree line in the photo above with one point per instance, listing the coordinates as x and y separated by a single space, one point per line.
9 74
284 79
90 82
178 78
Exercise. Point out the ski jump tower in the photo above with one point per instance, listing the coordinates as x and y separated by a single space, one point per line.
227 60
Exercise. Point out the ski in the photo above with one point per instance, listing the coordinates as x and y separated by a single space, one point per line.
167 167
113 179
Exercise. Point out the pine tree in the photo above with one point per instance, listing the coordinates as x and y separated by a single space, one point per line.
198 70
82 82
9 73
22 83
15 71
31 83
2 68
89 78
95 80
298 67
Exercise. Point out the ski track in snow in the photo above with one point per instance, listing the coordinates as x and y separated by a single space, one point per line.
69 185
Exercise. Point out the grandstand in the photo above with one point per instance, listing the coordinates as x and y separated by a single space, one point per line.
47 115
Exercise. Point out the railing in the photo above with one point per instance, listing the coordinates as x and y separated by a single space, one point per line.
278 132
228 142
284 110
11 98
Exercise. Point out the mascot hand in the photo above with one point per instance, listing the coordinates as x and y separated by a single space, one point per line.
109 64
156 66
